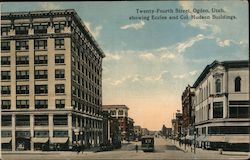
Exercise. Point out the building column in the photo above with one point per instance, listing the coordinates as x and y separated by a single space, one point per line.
31 132
51 126
13 129
76 128
70 128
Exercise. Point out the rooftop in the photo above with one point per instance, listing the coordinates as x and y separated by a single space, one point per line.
51 13
117 106
226 64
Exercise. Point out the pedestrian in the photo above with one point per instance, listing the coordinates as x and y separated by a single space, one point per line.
83 147
78 148
136 148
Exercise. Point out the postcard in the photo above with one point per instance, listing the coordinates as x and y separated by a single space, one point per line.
125 80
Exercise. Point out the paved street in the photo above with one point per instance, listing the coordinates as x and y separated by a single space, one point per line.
164 149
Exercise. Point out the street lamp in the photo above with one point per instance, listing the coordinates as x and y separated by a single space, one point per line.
194 140
81 133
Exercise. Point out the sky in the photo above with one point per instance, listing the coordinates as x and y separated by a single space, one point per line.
149 63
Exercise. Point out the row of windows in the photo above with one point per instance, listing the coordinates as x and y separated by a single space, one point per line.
88 97
24 89
24 60
85 108
39 45
229 130
43 120
204 93
39 74
39 104
40 133
39 120
38 28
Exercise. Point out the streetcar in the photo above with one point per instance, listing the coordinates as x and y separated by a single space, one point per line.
147 143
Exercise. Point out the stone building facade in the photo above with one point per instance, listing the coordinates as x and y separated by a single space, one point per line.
51 81
222 106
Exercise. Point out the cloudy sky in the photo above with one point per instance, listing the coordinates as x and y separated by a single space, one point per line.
148 64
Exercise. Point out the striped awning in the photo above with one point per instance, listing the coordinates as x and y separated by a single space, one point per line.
238 139
201 138
6 140
40 139
59 139
216 138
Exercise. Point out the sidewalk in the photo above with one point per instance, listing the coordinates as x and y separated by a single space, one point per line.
200 150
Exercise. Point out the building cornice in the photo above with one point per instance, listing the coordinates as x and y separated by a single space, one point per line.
226 64
51 14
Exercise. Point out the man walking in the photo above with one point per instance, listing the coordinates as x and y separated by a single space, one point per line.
136 148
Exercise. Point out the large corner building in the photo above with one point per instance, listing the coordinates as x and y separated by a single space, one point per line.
51 81
222 106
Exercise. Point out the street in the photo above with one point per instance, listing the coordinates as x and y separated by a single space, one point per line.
164 149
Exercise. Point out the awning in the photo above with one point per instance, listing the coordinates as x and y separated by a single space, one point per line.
182 138
238 139
201 138
190 137
216 138
40 140
6 140
59 140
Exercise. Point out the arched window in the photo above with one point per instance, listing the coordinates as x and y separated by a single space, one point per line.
237 84
218 85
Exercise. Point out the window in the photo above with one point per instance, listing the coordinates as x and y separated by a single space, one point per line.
22 74
23 134
239 109
22 120
41 89
40 29
237 84
22 104
41 74
22 45
40 44
5 90
41 104
120 112
60 103
218 85
59 27
5 46
218 109
59 43
41 133
60 120
41 120
59 73
22 89
59 88
113 112
73 90
5 30
5 75
6 120
5 60
60 133
239 112
41 59
6 133
59 58
6 104
22 60
229 130
22 30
